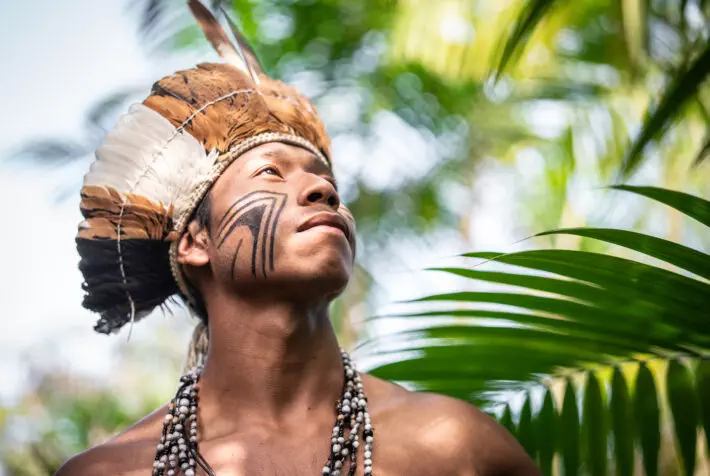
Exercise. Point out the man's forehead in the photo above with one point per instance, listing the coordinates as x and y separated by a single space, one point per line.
282 151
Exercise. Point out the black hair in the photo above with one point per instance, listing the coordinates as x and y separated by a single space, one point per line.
202 216
202 212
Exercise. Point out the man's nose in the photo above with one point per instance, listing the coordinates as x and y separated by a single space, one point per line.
319 190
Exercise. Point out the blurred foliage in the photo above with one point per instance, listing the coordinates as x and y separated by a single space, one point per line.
62 417
423 99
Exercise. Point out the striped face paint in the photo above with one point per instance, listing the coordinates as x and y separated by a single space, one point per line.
259 212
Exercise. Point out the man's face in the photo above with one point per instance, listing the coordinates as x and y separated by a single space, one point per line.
277 225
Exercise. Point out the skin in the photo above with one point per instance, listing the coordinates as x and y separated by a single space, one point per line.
273 370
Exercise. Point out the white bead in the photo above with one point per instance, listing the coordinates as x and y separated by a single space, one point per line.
368 462
189 472
336 448
368 454
326 470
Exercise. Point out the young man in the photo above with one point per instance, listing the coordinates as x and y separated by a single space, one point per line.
219 187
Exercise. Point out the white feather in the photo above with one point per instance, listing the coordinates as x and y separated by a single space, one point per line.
146 155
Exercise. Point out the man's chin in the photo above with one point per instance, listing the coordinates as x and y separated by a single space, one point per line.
314 286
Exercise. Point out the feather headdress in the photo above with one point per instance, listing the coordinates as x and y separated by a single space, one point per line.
160 160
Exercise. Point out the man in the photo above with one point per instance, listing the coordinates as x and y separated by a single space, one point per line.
219 187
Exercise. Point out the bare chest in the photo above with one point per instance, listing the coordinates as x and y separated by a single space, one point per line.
285 457
282 457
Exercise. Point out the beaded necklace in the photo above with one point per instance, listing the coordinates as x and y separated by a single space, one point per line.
178 447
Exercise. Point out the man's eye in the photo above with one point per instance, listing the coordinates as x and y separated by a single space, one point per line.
270 171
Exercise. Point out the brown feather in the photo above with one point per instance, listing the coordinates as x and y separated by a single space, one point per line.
141 219
244 49
222 125
217 36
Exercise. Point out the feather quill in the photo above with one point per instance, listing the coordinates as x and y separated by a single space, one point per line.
244 48
218 37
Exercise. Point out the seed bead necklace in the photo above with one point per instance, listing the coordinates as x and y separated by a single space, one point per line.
178 447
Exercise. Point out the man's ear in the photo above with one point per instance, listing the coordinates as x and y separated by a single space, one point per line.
192 246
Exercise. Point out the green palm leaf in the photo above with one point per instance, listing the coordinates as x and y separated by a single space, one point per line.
648 417
673 253
621 422
681 396
569 427
690 205
547 422
703 153
507 420
703 388
526 22
595 426
682 88
526 431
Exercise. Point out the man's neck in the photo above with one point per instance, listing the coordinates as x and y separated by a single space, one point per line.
270 364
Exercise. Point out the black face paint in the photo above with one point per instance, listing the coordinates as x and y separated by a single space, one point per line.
259 211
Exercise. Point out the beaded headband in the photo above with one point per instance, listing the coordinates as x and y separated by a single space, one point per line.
160 160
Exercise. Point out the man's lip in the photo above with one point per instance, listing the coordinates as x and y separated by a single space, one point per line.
326 219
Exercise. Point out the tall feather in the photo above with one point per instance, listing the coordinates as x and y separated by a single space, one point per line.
244 48
217 36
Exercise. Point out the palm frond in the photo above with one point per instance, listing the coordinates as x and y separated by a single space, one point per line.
626 336
682 89
532 13
703 153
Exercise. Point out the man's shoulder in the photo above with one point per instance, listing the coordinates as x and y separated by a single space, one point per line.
102 459
451 432
125 454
